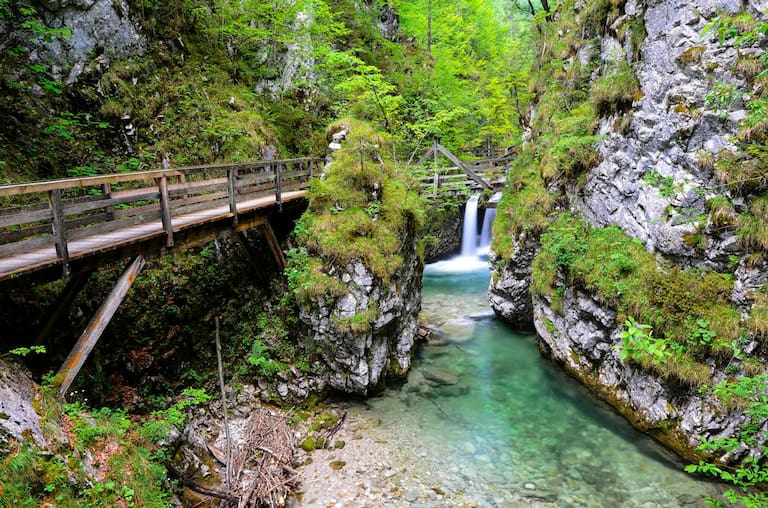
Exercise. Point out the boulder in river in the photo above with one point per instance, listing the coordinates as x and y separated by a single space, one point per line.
441 377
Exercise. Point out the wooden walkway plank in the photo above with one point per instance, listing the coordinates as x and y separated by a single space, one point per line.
94 245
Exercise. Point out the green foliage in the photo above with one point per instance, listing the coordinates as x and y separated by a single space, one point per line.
131 473
26 351
159 425
722 97
638 342
473 88
750 476
272 331
665 184
689 312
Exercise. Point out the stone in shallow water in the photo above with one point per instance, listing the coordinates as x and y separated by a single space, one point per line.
456 390
458 330
412 495
441 377
437 341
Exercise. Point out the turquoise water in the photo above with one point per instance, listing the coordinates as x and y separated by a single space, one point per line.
510 429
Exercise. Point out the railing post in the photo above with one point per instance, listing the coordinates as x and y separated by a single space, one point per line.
278 192
165 210
59 229
311 165
437 173
106 190
182 181
232 192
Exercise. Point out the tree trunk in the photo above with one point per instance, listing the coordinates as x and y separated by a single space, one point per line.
429 28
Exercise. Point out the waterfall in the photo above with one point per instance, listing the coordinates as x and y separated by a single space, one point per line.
469 235
486 231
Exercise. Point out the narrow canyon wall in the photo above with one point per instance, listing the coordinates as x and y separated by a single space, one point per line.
656 179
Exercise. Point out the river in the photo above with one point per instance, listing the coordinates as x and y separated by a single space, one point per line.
506 428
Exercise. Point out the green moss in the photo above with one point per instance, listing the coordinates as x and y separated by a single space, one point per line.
616 90
360 211
308 445
618 270
361 322
525 206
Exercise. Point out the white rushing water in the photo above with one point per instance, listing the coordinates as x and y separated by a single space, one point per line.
486 232
469 233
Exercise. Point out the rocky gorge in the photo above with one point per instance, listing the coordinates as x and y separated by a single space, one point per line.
656 179
631 238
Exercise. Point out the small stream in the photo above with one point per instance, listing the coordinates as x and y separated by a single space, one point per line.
501 427
484 421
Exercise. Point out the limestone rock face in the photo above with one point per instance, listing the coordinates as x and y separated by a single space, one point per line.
582 337
98 26
359 357
671 133
510 282
18 418
389 24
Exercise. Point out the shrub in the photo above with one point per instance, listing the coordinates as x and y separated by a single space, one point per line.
615 91
689 310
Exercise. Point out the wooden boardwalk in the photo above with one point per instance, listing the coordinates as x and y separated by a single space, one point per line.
55 228
472 176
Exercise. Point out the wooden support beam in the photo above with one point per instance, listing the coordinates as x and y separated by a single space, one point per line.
463 166
246 246
426 156
75 284
59 229
274 245
165 210
97 325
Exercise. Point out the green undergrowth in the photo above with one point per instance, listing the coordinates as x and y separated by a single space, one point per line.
361 210
120 448
571 89
525 205
690 310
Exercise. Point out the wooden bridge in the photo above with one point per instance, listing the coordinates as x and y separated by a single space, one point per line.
59 227
69 227
475 175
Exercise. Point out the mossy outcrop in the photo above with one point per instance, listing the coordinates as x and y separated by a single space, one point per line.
617 209
357 274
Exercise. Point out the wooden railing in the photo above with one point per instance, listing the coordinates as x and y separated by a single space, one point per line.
456 179
56 212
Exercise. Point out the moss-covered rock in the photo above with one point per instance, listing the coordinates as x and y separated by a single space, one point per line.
357 272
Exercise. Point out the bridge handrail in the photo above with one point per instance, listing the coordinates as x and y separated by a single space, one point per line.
455 177
89 181
30 226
